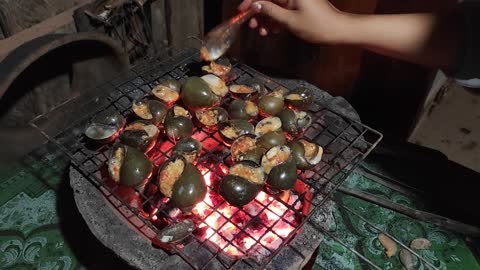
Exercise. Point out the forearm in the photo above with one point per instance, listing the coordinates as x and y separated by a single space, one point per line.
428 39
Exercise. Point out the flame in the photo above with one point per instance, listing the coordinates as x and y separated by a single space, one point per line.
228 227
254 230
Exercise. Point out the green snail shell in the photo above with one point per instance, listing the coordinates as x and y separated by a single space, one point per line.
280 167
270 105
178 127
243 183
300 98
190 188
196 94
129 166
242 110
189 148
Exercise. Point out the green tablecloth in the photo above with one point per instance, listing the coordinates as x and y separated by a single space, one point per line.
41 229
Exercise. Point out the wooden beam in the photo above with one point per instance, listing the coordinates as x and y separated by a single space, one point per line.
159 24
19 15
45 27
184 19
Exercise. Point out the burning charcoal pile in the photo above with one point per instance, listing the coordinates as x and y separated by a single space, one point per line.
216 160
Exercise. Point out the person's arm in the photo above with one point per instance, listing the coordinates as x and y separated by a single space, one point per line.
429 39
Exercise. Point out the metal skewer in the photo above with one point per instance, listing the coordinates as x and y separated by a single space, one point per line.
440 221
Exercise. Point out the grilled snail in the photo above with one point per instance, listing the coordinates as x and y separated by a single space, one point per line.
105 126
219 70
210 118
272 103
196 94
260 91
140 135
300 98
294 122
189 148
306 154
268 124
168 92
129 166
240 91
232 129
280 167
178 111
182 182
216 84
245 148
151 110
242 184
178 124
243 110
271 139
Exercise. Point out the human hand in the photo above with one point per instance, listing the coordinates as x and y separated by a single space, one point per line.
312 20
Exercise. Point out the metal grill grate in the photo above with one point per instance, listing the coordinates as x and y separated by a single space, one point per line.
345 142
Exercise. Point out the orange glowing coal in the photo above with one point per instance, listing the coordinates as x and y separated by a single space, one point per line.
256 230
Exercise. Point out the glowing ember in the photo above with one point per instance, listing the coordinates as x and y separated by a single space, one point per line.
256 230
253 230
223 167
208 178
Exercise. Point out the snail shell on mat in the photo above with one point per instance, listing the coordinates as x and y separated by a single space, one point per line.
389 245
420 243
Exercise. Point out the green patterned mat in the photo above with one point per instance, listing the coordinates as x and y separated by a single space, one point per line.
30 234
448 250
40 229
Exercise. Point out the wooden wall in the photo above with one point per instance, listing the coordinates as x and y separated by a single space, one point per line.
17 15
23 20
173 20
184 19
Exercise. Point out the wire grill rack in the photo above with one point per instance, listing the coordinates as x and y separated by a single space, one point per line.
345 142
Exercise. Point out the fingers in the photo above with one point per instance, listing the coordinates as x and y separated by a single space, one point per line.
264 24
273 11
290 4
281 2
263 31
244 5
267 26
253 23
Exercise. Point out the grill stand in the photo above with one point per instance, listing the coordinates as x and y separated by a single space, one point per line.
337 128
111 228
